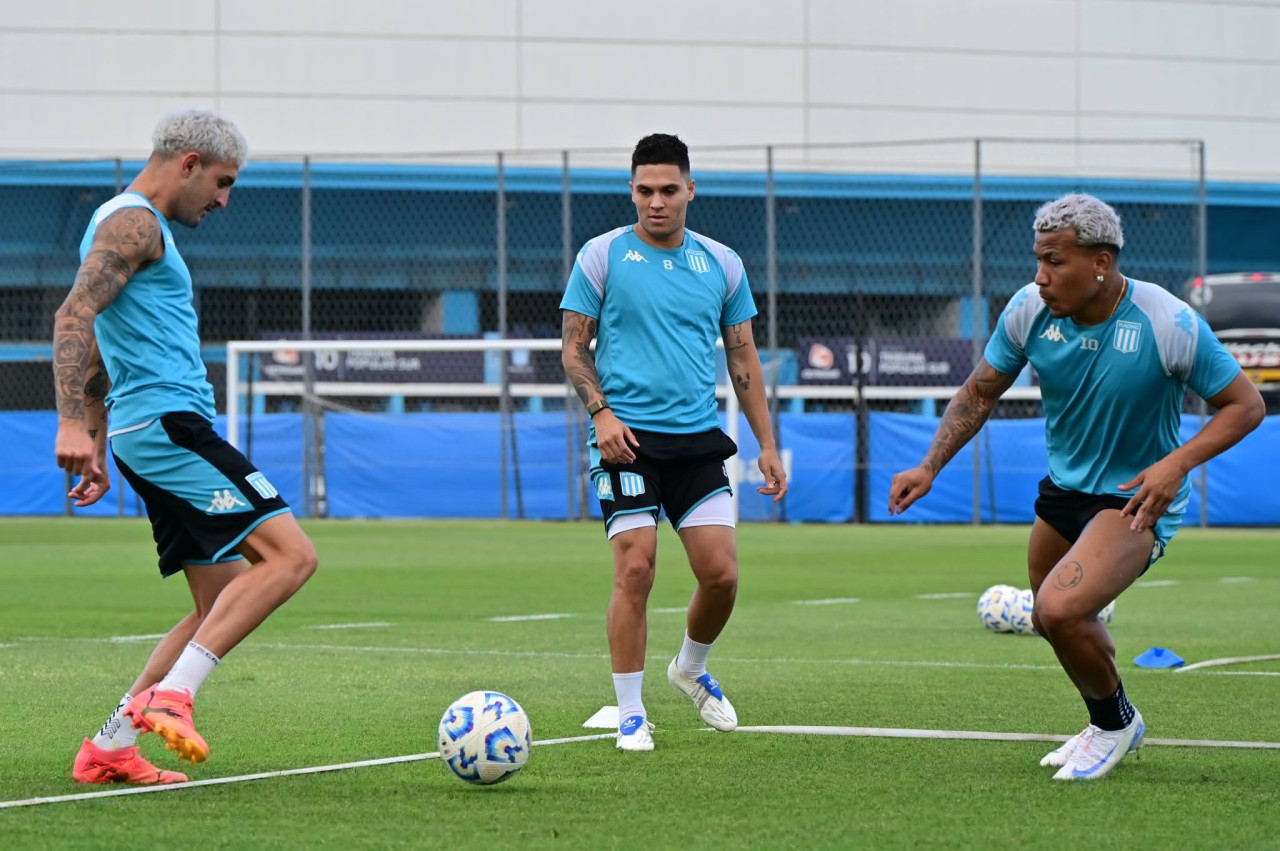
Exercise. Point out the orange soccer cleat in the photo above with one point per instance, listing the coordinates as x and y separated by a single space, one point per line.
123 765
168 714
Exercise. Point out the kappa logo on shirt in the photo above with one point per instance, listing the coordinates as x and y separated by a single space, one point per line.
634 256
1054 334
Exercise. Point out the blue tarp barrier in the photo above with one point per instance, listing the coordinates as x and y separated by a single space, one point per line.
448 465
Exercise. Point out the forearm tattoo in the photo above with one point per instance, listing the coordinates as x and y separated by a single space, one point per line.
743 381
965 415
123 243
579 361
95 398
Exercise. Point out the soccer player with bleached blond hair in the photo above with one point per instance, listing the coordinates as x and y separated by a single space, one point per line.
126 341
1115 356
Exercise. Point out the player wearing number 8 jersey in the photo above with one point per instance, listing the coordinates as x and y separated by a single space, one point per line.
656 296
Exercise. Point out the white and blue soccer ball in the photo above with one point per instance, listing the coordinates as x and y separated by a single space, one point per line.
995 607
485 737
1108 612
1020 613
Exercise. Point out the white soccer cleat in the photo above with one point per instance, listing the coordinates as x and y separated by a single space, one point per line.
713 706
1058 757
1097 751
635 734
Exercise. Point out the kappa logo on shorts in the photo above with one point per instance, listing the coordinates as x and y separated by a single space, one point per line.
632 484
604 488
223 500
259 483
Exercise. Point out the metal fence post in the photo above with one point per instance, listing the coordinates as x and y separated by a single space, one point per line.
504 391
776 510
977 298
1202 268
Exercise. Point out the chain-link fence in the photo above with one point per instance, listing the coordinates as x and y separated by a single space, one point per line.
880 267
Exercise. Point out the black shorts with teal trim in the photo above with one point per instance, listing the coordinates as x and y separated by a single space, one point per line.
203 497
1068 512
674 473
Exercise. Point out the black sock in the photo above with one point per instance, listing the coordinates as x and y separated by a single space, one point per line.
1111 713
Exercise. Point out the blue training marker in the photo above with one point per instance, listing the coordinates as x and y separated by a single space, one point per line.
1158 657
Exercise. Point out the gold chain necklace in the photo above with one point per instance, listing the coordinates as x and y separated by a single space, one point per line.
1124 286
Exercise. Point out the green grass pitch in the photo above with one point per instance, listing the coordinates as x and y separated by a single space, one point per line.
293 696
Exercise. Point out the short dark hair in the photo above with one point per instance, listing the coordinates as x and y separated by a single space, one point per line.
660 149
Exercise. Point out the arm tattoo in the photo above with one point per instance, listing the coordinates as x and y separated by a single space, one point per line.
578 359
737 342
743 381
95 397
1068 576
123 244
965 415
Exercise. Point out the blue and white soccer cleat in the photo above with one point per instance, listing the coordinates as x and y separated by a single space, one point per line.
1058 757
1097 751
635 734
704 691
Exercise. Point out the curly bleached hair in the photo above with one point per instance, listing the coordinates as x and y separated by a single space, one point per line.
208 134
1095 222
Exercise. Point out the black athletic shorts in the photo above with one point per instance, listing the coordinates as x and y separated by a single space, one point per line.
203 497
672 472
1068 512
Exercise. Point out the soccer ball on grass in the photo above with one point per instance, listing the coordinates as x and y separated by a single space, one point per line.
995 607
485 737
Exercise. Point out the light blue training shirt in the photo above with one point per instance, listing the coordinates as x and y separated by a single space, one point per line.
149 335
659 314
1112 392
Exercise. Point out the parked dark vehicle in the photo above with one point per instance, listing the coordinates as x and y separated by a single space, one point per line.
1243 310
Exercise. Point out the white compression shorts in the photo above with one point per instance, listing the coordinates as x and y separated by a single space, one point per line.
717 510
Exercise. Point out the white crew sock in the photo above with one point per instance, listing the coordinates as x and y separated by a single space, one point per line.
692 661
118 732
190 671
627 687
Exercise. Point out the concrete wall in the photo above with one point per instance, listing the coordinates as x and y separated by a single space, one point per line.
80 77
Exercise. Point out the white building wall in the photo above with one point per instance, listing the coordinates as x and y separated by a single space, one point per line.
81 77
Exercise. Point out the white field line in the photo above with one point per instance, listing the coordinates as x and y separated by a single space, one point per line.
830 601
369 625
674 610
958 595
1156 583
291 772
515 618
128 639
729 660
1230 660
895 733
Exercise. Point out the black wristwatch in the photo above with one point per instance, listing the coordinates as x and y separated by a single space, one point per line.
596 407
